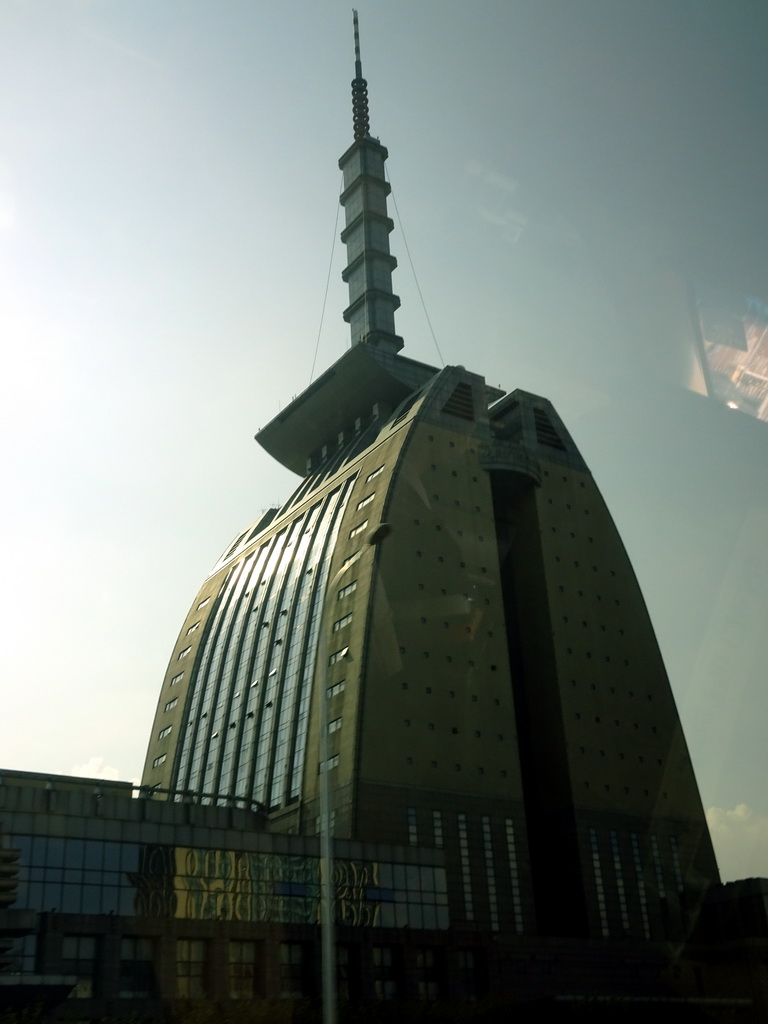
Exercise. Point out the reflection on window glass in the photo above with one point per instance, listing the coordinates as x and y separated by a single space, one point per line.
248 706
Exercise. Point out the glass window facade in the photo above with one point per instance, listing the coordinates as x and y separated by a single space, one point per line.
248 703
89 876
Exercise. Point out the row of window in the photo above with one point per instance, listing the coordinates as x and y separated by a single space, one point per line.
626 790
490 874
218 884
342 622
457 767
586 625
338 655
350 588
458 533
465 861
629 881
461 565
612 690
641 758
245 967
616 721
452 693
565 479
249 699
358 529
588 656
577 564
455 731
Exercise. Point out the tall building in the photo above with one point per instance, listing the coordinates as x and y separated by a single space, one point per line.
441 621
446 594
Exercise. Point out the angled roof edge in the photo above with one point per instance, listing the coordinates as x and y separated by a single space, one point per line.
346 392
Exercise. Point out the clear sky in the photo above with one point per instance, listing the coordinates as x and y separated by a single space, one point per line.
168 195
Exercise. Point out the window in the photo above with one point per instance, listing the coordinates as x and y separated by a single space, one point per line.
347 971
413 830
437 827
468 974
350 558
79 955
164 732
349 589
384 974
294 972
428 974
490 873
334 726
184 653
366 501
336 656
358 529
190 968
620 888
159 760
599 886
676 862
176 679
203 603
640 881
334 690
375 473
342 622
319 824
137 972
466 875
242 970
171 704
193 628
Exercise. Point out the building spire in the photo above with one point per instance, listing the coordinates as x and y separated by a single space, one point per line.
360 122
372 303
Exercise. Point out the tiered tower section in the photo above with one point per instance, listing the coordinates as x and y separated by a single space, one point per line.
372 303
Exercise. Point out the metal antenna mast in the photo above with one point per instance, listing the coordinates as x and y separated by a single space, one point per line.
360 120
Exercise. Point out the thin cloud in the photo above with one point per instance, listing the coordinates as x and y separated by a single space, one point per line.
493 201
117 47
741 841
96 768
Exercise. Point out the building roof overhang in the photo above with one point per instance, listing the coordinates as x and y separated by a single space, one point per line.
364 377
